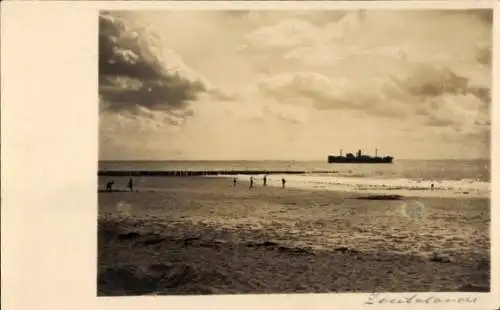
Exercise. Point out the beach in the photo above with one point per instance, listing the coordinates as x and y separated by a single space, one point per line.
201 235
375 139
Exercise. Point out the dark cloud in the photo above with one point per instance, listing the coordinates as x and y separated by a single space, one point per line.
486 15
428 93
482 93
427 87
483 15
132 75
160 94
429 81
484 55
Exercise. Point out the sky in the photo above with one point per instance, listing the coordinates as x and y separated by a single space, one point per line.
294 85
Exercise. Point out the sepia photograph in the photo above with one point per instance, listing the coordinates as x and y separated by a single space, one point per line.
293 151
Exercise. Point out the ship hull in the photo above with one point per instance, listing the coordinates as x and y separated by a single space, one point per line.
345 160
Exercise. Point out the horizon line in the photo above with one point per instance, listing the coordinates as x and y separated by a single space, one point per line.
287 160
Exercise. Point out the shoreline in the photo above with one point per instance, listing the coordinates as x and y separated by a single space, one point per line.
204 236
196 173
409 192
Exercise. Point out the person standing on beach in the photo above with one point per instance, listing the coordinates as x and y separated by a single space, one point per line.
234 181
251 183
283 181
109 186
265 180
131 185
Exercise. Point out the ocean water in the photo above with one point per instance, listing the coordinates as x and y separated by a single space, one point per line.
317 221
445 177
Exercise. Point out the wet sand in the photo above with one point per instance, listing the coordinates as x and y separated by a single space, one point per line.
198 235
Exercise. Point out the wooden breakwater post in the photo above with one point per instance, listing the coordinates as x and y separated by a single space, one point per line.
191 173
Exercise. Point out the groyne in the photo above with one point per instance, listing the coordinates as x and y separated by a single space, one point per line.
188 173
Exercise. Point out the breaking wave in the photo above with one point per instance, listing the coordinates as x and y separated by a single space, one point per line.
470 187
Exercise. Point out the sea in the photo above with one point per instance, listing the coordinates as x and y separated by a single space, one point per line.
464 177
448 223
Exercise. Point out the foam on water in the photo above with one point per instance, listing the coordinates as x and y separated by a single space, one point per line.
451 178
407 187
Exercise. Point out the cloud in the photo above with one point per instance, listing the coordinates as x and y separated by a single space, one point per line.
484 55
258 18
289 33
433 36
323 93
438 95
133 73
429 81
297 81
446 99
371 62
305 28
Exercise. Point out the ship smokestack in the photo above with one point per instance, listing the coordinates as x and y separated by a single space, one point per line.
376 152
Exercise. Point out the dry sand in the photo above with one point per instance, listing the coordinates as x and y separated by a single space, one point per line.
202 236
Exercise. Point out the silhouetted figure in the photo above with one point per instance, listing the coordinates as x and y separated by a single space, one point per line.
109 186
251 183
131 185
283 181
234 182
265 180
432 186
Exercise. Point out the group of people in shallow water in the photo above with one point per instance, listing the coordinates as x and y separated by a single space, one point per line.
130 184
264 182
109 185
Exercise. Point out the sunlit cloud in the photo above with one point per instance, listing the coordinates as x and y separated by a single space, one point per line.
284 84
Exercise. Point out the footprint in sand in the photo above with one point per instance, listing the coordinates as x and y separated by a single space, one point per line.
413 209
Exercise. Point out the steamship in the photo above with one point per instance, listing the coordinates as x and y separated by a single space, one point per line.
359 158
